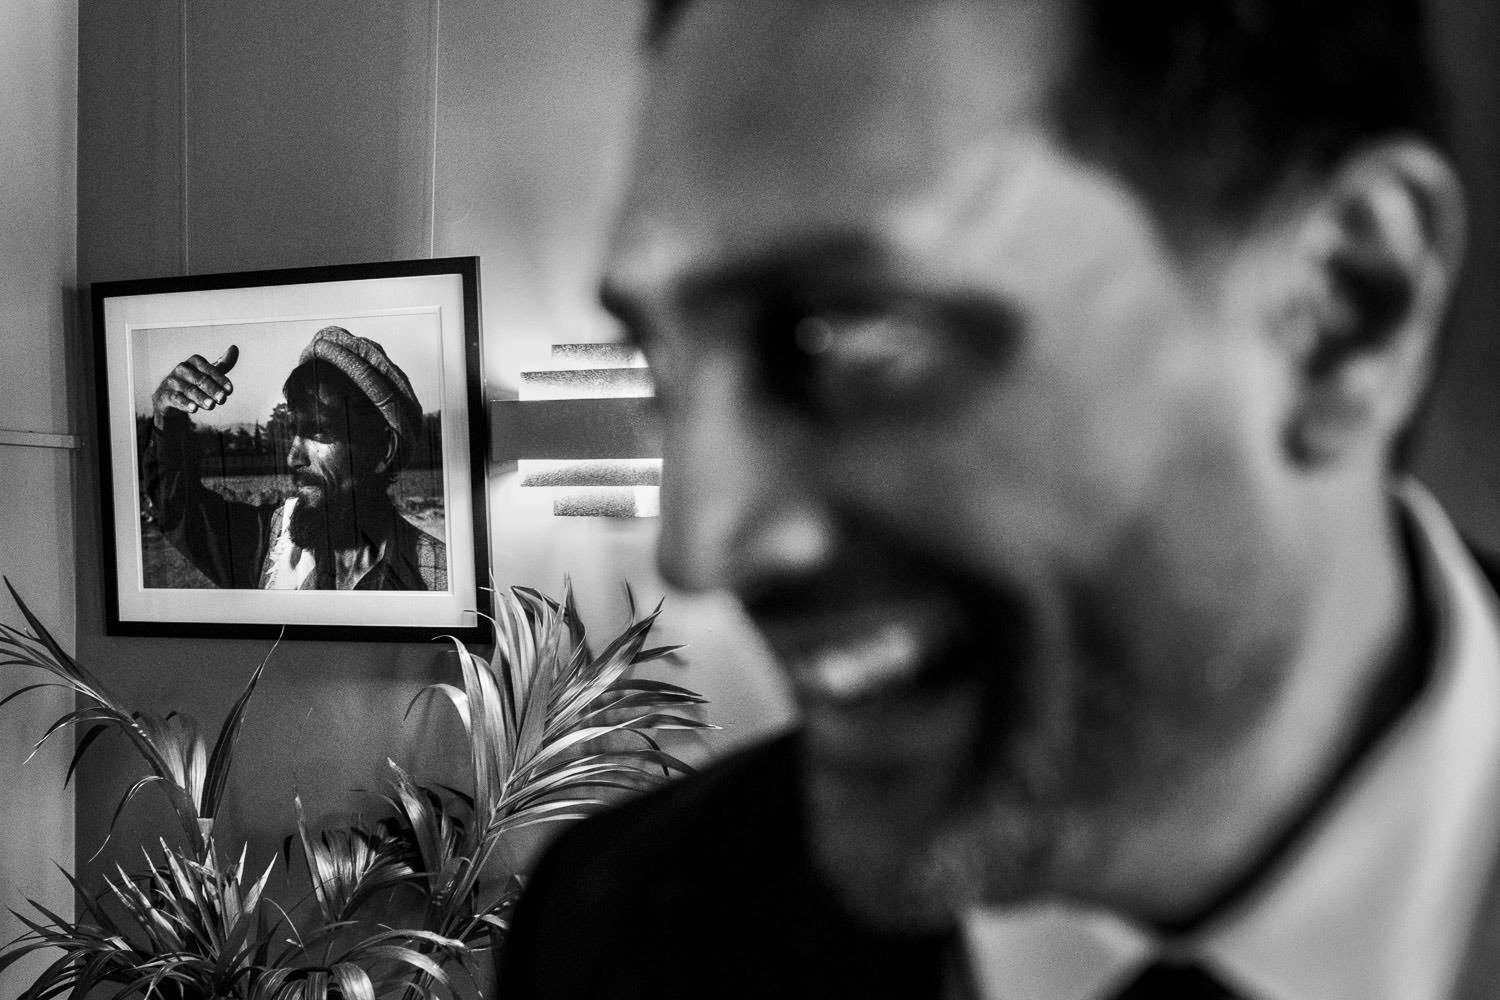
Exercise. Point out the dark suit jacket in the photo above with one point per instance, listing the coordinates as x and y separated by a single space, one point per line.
703 890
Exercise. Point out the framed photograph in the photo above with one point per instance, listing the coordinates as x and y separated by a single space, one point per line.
297 452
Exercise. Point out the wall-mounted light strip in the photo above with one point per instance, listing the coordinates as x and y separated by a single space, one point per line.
582 432
642 501
608 472
586 383
566 356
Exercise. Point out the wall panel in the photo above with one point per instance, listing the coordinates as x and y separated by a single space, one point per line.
38 99
36 819
308 132
130 140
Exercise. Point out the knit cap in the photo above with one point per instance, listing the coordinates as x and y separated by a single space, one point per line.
366 364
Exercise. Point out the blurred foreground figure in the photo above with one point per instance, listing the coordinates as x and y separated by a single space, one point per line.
1037 374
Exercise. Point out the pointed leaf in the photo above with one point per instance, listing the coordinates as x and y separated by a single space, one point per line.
84 742
45 638
221 759
32 687
411 957
459 699
659 652
353 982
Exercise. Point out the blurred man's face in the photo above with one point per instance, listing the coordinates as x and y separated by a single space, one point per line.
996 474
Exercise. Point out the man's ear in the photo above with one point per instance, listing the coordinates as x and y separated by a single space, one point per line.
1382 243
389 460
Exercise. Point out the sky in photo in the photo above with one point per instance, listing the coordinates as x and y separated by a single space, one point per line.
269 351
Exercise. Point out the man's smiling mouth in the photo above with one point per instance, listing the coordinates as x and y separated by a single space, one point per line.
885 649
878 662
893 686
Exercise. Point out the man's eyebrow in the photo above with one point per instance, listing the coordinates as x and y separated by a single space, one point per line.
831 259
844 258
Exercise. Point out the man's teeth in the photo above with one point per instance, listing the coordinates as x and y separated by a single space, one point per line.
889 655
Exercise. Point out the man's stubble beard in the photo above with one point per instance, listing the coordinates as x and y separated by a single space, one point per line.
1078 754
994 835
328 520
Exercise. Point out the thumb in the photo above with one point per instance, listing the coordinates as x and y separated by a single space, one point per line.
228 359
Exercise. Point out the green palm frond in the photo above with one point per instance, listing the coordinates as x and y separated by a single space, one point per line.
184 928
349 866
555 733
387 962
442 840
172 747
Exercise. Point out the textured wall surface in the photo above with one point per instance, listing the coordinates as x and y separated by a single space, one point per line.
37 274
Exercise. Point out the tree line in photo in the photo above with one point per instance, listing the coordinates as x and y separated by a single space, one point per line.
259 449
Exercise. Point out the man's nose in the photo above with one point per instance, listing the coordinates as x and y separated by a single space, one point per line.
296 453
739 506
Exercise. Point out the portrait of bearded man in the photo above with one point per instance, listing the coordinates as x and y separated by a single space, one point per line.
354 424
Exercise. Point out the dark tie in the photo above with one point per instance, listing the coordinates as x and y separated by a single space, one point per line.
1172 980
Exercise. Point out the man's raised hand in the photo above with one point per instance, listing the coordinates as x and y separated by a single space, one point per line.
195 384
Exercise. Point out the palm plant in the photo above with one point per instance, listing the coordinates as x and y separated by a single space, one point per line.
187 931
553 733
172 746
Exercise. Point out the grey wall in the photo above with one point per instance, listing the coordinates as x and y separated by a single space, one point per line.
285 133
37 273
1460 449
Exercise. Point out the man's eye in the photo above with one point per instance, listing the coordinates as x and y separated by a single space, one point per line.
870 364
312 432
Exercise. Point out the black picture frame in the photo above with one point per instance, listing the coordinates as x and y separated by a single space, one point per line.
168 575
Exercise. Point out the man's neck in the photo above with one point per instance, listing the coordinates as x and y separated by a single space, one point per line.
344 561
1361 662
1396 682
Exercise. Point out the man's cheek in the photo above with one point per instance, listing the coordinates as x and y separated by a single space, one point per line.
958 500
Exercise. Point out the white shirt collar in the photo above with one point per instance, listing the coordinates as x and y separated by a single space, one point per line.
1378 899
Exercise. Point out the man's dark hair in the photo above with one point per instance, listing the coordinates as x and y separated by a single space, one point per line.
1207 106
661 16
328 396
